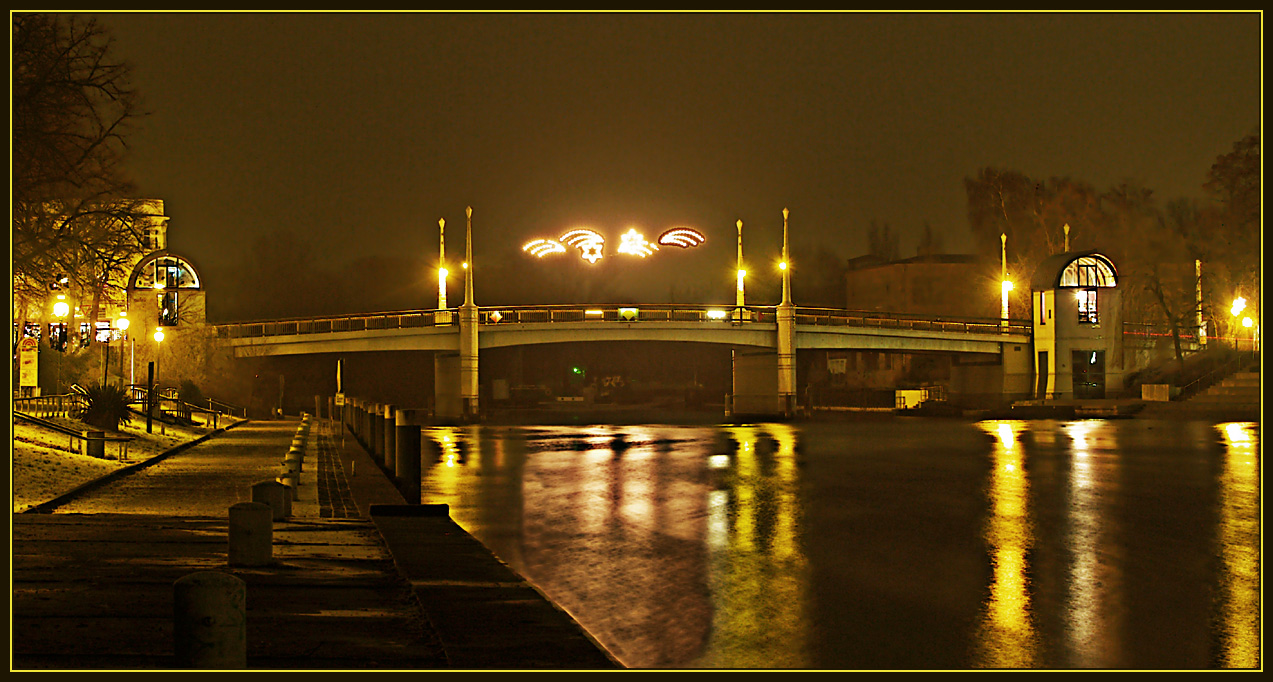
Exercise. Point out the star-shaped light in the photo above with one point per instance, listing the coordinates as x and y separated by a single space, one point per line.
634 243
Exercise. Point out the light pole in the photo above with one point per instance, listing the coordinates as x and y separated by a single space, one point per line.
60 310
1005 284
159 339
122 325
740 298
1239 304
442 271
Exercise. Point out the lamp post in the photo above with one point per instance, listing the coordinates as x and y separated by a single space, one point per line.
60 310
1239 304
442 271
122 325
159 339
1004 284
740 298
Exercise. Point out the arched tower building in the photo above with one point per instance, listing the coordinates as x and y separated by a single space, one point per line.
1078 327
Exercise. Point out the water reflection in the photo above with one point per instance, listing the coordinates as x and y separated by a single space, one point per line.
1001 544
757 565
1094 580
1006 635
1239 538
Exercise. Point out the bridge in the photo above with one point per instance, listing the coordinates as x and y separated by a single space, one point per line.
760 333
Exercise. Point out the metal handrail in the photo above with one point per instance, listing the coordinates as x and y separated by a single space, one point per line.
1208 379
64 405
616 313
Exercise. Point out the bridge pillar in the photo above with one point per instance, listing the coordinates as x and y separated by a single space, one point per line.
469 385
786 317
390 436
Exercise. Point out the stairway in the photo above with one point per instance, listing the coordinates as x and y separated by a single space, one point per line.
1240 390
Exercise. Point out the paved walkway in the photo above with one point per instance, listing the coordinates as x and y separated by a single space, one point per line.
92 581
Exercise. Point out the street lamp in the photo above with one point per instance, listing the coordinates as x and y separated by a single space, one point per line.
1005 284
740 299
122 325
152 397
60 311
1239 304
442 271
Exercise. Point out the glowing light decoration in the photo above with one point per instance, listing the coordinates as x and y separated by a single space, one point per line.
543 247
634 243
590 244
683 237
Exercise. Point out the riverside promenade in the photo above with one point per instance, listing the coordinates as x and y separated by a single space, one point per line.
359 579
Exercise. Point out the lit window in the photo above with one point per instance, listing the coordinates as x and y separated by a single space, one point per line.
168 309
1087 306
1089 271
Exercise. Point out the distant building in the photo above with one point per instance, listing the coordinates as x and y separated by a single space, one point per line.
939 285
931 286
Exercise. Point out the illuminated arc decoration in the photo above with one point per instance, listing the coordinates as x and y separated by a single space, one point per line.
543 247
683 237
590 244
633 243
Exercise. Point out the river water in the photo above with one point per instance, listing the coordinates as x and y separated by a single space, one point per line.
890 543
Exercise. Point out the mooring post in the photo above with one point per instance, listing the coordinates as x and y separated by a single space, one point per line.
210 621
251 534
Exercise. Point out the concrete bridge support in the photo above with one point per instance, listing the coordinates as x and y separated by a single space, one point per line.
469 387
786 369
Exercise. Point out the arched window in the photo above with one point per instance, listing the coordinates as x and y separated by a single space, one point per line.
167 275
1089 271
166 272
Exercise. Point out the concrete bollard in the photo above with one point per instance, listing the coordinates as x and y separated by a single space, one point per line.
289 494
407 457
390 431
377 433
251 534
292 465
291 479
209 628
274 494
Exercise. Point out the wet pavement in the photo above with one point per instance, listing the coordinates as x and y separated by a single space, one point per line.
349 589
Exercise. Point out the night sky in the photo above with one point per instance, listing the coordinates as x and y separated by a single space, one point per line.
360 131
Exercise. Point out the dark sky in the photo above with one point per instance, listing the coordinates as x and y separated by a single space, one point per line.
360 131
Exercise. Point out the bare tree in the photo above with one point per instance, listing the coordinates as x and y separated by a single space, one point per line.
72 106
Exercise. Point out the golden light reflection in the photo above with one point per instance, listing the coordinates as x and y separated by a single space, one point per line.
1006 636
1092 577
444 480
1239 539
758 567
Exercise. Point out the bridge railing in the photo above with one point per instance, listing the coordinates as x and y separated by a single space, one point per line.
623 313
337 323
882 320
495 315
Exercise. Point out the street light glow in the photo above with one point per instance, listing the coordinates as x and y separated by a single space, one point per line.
61 308
122 323
1239 304
159 335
